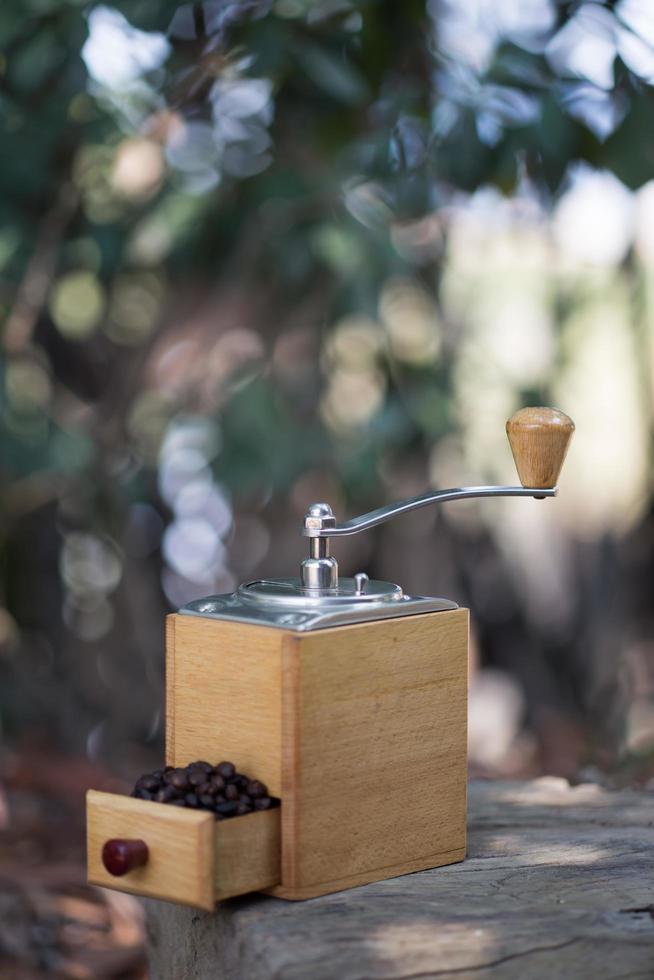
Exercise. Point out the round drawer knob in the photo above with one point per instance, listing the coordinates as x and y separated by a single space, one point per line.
121 856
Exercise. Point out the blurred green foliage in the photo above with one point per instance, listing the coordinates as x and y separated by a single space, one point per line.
371 124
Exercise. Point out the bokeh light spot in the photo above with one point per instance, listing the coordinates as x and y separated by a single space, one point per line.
76 304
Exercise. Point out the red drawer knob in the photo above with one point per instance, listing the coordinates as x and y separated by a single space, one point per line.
121 856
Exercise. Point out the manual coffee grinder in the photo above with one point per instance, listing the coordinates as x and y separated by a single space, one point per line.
345 695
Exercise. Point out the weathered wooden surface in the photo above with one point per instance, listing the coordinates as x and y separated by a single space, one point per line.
559 883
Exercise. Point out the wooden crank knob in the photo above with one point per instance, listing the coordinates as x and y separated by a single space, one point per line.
539 439
121 856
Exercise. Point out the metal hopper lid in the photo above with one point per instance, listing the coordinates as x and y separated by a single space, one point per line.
285 604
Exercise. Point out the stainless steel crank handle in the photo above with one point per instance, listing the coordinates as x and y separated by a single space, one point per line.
320 522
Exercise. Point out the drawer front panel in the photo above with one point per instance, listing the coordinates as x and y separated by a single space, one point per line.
181 848
192 858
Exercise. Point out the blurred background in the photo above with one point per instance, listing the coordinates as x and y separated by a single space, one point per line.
255 254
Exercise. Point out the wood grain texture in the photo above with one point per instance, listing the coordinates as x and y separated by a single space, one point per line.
224 696
539 439
170 689
324 719
248 853
374 751
557 884
181 846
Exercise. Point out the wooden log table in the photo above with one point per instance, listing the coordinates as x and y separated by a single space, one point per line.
558 883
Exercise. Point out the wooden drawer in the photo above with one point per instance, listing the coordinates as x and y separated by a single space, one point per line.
191 857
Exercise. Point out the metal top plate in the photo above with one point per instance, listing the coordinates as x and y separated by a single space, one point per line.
283 603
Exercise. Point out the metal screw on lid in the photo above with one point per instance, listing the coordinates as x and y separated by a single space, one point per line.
319 572
360 583
318 518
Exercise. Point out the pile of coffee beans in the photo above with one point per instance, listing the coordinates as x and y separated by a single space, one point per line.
201 786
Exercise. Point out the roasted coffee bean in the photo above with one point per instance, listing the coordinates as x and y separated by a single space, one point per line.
226 809
150 783
205 766
166 794
199 785
179 779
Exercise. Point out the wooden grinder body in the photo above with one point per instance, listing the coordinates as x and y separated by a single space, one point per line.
360 729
